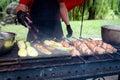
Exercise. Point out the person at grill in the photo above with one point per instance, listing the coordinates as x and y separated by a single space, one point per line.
45 15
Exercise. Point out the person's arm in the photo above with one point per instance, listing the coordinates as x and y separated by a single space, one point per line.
64 15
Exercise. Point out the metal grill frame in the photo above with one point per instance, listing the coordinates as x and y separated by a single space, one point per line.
75 68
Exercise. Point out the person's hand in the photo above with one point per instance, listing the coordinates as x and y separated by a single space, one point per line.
23 17
69 31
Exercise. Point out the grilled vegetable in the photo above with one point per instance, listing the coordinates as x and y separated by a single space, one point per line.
62 48
31 50
22 52
52 43
21 44
56 45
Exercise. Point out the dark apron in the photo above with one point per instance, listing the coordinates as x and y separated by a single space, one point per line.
46 16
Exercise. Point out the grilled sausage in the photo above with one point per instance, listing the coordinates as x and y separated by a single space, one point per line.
43 49
50 48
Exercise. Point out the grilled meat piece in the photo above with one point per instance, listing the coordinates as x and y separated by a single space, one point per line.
94 47
65 44
97 42
74 51
76 43
82 47
98 50
108 48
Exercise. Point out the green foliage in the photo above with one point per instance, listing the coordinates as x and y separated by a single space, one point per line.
119 6
109 9
75 14
102 9
4 3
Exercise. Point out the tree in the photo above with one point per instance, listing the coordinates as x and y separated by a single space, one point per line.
119 6
92 9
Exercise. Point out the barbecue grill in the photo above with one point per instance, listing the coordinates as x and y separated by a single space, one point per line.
13 67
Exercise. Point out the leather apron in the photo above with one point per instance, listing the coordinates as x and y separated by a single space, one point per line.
46 16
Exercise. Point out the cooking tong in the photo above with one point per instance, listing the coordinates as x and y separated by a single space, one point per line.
32 28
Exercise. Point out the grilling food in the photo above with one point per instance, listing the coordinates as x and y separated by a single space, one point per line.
74 51
42 49
82 47
50 48
56 45
22 52
21 44
94 47
108 48
52 43
89 47
31 50
76 47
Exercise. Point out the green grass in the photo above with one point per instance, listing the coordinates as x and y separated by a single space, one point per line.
21 31
91 28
